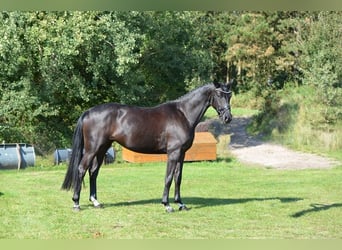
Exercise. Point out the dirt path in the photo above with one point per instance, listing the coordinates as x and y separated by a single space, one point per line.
252 150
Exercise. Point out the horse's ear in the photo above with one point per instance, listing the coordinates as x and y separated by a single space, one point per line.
217 85
230 83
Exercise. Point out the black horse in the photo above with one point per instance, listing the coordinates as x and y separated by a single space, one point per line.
167 128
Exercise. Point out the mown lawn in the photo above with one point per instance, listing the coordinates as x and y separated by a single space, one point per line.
227 200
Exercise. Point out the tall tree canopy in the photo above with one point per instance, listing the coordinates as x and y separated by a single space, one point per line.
54 65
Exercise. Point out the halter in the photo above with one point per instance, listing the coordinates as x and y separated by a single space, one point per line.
220 110
225 92
223 109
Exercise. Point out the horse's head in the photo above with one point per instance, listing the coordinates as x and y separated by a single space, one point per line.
221 101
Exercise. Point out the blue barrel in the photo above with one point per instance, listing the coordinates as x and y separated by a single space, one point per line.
110 156
16 155
64 154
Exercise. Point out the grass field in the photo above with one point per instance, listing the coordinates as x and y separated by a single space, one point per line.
227 200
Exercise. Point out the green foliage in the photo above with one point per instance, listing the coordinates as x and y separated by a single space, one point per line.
260 48
55 65
322 64
171 56
293 117
309 117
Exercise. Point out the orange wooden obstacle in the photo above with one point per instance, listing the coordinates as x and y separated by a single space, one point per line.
202 149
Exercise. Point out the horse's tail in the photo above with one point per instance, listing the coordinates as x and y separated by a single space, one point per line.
72 179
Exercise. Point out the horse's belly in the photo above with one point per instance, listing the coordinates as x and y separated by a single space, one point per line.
145 144
146 149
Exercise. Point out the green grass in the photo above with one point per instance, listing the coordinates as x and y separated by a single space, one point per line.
227 200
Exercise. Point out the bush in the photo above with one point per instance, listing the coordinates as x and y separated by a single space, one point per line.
293 117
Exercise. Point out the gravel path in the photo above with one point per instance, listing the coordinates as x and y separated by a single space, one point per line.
252 150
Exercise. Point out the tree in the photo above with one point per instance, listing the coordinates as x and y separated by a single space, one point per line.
172 55
55 65
322 61
260 47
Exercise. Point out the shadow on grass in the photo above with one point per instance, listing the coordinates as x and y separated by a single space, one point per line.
224 159
316 208
218 160
200 202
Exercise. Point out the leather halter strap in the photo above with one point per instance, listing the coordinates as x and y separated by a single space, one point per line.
226 92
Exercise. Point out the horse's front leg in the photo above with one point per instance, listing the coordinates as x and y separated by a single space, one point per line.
170 170
178 181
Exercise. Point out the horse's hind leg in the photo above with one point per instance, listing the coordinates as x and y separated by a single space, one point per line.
92 180
82 169
93 173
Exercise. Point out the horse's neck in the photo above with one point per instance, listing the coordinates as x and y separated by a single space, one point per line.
195 105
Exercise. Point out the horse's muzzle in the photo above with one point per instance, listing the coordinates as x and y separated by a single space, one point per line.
225 115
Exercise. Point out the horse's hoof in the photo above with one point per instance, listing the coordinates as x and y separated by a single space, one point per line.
76 208
98 206
183 208
169 209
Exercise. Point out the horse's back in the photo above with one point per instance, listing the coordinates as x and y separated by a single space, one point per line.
145 130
